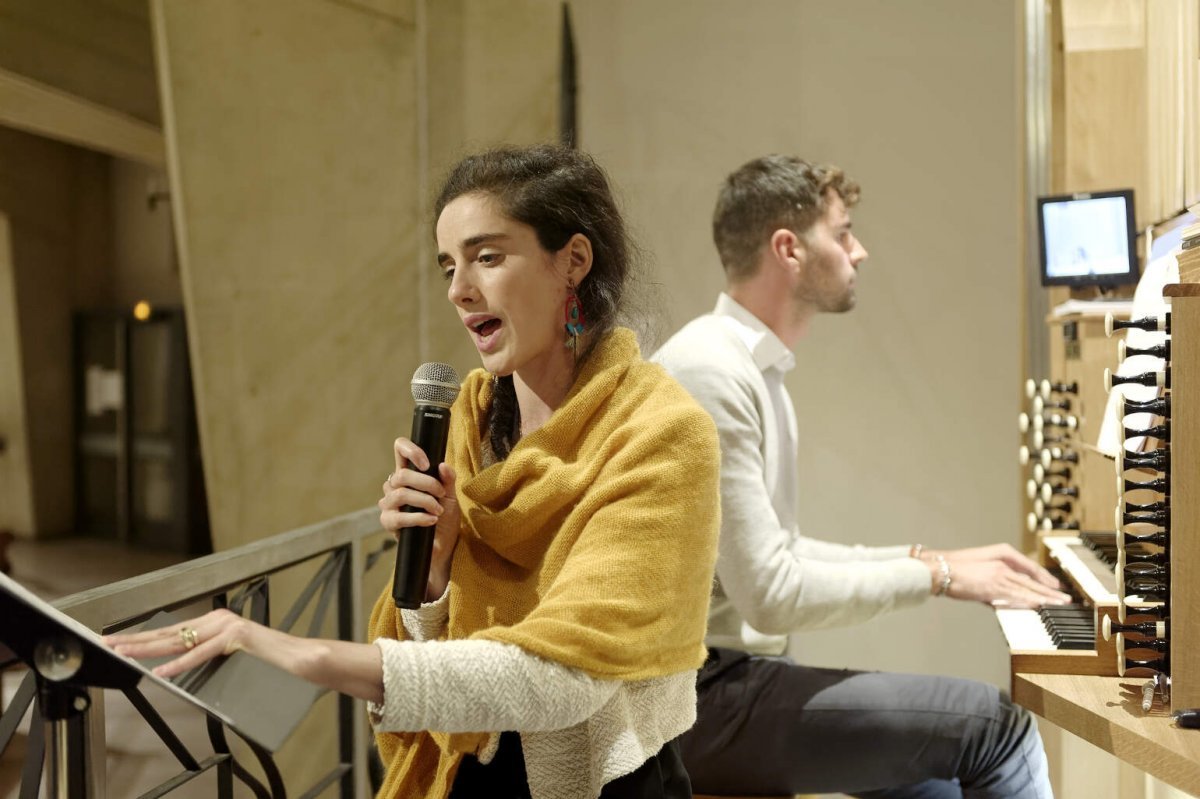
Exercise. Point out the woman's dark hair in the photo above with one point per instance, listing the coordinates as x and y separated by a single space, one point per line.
558 192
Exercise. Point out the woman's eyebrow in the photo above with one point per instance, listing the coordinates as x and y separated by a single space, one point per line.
444 258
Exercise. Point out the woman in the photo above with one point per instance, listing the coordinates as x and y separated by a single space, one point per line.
576 521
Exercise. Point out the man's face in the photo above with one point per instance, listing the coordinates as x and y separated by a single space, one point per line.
832 256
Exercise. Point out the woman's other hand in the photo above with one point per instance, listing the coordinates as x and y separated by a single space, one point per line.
190 644
414 499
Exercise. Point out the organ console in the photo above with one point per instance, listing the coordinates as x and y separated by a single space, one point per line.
1120 575
1118 664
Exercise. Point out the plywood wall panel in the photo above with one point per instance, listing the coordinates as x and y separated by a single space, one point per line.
57 201
100 51
1106 131
475 101
16 485
293 163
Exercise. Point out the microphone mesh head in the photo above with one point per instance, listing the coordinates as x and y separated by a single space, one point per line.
435 384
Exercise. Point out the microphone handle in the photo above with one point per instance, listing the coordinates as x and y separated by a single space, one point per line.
414 546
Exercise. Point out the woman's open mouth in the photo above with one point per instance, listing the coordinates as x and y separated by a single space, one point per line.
485 333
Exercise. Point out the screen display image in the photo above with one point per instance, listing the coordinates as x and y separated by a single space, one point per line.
1088 239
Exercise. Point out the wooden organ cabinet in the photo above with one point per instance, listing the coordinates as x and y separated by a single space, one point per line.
1125 536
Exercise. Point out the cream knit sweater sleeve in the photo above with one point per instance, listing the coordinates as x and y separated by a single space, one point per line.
480 686
779 581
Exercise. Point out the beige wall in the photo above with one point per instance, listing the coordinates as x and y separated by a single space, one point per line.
71 230
907 404
476 99
305 141
143 257
99 51
16 488
57 201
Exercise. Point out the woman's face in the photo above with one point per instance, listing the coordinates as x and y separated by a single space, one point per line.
508 290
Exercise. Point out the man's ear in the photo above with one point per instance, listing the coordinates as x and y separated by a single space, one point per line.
787 249
576 256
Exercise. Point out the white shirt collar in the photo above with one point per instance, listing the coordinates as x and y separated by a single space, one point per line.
765 347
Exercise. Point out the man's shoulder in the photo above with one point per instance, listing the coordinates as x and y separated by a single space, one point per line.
707 341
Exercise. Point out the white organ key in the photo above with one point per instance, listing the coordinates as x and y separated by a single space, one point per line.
1024 629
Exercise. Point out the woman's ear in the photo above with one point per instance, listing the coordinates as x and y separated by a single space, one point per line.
577 255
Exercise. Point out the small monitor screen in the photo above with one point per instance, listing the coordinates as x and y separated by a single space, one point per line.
1088 239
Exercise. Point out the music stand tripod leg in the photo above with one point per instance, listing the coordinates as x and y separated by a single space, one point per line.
62 703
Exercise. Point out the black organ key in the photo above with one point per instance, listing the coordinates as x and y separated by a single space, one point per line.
1148 629
1060 509
1103 544
1153 558
1161 518
1160 431
1157 459
1147 507
1069 626
1159 378
1156 537
1162 350
1146 571
1045 388
1040 404
1149 324
1058 455
1040 439
1159 406
1041 473
1159 484
1127 611
1055 420
1150 645
1049 491
1128 663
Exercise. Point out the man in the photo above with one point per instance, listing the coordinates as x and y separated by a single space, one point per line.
766 725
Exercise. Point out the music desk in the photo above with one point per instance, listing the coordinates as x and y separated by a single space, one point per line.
1107 712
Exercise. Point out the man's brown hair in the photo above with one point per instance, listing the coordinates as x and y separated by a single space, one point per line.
765 195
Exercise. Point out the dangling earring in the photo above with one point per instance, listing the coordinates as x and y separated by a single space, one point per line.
573 319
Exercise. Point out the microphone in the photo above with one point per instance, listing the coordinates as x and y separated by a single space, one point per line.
434 387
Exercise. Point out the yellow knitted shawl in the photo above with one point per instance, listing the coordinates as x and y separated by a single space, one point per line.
592 545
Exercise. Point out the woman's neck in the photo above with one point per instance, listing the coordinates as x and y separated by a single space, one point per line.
540 391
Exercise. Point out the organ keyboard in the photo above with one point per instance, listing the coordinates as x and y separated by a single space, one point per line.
1067 639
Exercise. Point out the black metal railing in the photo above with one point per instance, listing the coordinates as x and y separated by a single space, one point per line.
240 580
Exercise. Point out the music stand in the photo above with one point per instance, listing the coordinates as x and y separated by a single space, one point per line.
67 659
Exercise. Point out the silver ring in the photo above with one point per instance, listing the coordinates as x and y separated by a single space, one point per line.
189 637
